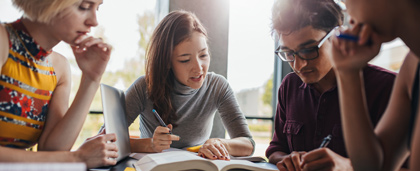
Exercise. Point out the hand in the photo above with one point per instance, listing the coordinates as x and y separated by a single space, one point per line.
95 151
101 131
214 149
325 159
291 162
92 56
353 56
162 139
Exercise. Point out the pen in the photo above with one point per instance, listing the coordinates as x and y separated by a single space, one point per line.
325 142
347 37
352 38
160 120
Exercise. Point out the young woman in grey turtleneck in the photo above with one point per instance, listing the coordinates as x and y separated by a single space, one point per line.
186 97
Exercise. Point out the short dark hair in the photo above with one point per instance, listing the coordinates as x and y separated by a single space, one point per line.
292 15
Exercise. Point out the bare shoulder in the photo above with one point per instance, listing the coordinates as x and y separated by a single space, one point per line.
4 44
61 66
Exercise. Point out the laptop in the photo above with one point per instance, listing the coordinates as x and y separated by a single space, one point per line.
113 105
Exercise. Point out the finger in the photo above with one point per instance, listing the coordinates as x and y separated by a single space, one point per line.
110 137
319 164
105 47
215 151
226 153
314 155
280 165
295 157
83 42
94 137
111 147
111 154
365 34
221 149
356 29
109 162
288 163
81 38
92 43
342 47
351 47
162 130
208 154
175 137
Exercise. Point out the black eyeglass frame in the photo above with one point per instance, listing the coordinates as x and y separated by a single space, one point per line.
321 42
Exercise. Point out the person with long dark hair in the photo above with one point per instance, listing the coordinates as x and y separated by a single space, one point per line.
186 96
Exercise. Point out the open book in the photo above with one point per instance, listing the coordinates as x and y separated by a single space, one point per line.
182 160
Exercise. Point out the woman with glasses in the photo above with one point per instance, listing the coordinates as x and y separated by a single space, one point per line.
397 135
308 109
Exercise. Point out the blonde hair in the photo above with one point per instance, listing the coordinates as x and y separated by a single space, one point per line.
43 10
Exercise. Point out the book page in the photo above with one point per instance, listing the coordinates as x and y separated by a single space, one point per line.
174 160
223 165
249 158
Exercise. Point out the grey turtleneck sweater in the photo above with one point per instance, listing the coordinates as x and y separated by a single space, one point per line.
195 110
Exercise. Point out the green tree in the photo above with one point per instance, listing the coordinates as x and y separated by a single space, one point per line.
268 92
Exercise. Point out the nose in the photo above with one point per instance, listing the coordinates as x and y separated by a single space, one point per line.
197 65
298 64
92 21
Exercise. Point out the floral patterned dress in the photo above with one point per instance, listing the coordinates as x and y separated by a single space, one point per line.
27 82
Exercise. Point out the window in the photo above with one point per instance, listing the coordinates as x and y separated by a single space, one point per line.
392 55
251 65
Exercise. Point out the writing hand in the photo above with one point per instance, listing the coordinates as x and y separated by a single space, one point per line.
214 148
95 151
325 159
162 139
291 162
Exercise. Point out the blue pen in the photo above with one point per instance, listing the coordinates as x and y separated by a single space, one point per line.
347 37
351 38
160 120
325 142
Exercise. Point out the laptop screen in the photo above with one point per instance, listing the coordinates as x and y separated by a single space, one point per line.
113 105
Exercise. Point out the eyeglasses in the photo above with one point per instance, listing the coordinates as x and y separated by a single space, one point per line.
305 54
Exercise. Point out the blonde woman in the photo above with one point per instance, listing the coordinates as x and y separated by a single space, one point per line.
35 83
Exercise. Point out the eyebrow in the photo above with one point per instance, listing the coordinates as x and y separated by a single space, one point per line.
300 45
187 54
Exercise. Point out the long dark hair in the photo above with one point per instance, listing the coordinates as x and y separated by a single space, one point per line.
176 27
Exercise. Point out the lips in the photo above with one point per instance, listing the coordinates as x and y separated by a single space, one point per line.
82 32
197 78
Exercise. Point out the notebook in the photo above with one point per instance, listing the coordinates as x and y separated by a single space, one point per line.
113 105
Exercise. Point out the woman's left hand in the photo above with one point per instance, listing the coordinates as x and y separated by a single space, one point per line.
92 56
214 149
